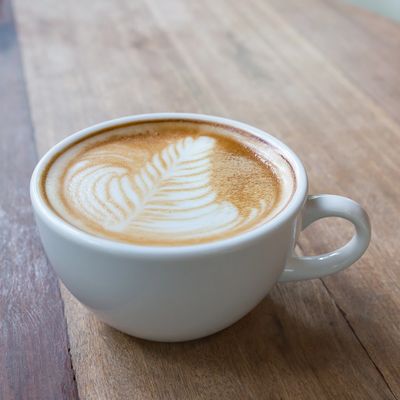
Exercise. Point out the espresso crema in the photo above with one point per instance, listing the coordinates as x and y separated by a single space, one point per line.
168 183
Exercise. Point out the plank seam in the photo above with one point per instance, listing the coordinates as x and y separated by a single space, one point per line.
344 315
33 141
348 323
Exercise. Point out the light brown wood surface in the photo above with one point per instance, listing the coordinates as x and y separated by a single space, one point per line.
296 70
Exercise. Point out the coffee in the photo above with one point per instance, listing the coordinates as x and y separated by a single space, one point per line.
168 183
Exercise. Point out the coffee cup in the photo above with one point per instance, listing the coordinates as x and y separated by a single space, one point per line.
183 289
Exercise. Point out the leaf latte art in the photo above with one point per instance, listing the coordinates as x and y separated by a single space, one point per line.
171 194
162 189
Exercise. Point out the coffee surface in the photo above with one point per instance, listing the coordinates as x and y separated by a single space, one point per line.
168 183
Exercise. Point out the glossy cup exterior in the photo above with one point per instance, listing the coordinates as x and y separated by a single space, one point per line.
183 292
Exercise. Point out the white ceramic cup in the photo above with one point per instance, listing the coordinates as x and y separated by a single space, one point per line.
186 292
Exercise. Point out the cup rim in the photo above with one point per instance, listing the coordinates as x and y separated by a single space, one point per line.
243 239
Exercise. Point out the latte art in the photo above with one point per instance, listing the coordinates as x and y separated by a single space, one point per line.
163 186
171 193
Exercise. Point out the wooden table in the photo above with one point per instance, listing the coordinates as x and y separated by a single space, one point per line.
321 75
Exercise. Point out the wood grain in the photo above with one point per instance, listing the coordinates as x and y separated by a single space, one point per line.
363 45
34 358
252 61
367 49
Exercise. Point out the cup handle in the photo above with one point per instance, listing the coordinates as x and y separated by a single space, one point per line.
321 206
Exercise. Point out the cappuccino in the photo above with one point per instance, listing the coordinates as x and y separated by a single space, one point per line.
168 183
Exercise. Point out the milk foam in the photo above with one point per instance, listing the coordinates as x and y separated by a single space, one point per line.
163 185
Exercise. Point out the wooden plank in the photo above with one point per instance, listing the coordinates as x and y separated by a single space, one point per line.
247 63
366 50
295 344
363 45
34 358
